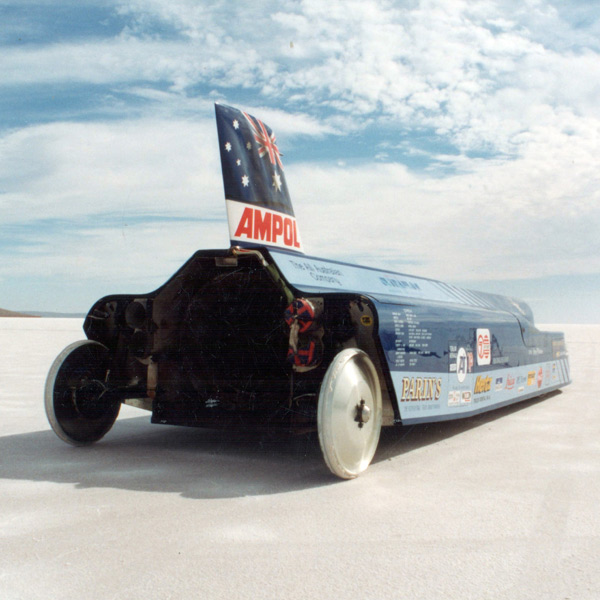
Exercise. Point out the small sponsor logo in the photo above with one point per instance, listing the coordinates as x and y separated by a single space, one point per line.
466 398
484 347
499 383
454 398
530 377
461 364
553 371
470 357
482 384
540 377
510 382
521 389
399 283
416 389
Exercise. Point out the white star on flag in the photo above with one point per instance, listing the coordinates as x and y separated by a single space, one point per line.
228 147
277 182
236 124
245 180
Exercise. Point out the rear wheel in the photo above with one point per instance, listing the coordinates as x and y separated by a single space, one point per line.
349 413
79 406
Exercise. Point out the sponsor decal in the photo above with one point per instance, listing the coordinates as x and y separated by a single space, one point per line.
540 377
559 348
366 320
484 347
330 275
499 383
466 398
530 377
470 359
521 389
553 371
399 283
521 379
415 389
454 398
510 382
482 384
261 225
461 364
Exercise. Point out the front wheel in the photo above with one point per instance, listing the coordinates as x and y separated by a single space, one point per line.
349 413
79 405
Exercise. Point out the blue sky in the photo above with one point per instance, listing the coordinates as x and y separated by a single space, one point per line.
448 139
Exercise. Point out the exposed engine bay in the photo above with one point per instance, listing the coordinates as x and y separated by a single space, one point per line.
224 339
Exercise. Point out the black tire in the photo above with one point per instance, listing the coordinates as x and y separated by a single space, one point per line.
79 407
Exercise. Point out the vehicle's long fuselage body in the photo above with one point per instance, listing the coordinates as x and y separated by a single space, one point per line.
213 340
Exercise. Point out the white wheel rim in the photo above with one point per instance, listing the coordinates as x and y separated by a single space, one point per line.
348 447
49 391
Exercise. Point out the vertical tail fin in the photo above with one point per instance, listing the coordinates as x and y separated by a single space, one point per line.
259 209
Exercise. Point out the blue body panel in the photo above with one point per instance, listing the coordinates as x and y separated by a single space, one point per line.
424 346
449 352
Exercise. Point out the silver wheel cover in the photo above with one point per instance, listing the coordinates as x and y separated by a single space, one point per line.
49 400
348 448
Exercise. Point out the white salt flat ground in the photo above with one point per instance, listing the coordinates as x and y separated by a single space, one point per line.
500 506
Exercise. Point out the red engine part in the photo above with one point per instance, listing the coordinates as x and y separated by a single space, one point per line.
308 353
303 312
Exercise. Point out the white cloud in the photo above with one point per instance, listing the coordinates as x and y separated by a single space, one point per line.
146 167
535 216
125 59
130 257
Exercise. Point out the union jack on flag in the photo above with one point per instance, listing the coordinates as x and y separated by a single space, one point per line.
266 142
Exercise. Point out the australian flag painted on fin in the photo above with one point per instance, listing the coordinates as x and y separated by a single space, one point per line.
259 208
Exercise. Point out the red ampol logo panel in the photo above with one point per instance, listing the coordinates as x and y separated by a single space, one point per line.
259 225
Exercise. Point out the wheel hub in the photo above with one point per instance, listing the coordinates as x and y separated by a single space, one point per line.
363 413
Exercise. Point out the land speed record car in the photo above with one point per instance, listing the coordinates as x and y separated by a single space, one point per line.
263 335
